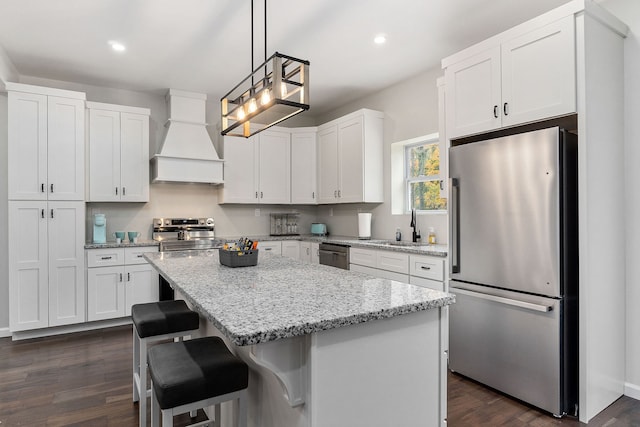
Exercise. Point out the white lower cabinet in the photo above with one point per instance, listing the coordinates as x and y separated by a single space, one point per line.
46 264
291 249
117 278
310 252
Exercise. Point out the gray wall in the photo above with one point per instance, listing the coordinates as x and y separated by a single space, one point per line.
629 12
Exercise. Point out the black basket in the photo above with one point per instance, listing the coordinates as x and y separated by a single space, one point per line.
238 258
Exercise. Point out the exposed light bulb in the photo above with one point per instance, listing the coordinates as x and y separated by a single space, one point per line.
253 106
241 114
283 90
266 97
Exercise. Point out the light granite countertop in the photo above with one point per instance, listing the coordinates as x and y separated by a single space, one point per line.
120 245
388 245
281 297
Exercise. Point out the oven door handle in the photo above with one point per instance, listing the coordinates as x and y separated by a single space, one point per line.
341 254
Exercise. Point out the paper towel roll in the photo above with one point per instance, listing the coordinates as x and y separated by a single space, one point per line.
364 225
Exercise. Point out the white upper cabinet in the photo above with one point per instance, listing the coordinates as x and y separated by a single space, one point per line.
350 159
258 169
303 167
515 80
46 143
118 153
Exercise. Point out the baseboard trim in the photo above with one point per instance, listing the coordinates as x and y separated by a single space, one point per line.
632 390
5 332
69 329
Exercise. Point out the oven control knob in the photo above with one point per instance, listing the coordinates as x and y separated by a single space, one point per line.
209 222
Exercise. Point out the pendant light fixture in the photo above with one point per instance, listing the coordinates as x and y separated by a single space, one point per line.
274 91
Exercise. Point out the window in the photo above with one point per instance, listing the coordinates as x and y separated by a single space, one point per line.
422 176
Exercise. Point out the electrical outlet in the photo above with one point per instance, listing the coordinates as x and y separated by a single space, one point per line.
330 211
257 212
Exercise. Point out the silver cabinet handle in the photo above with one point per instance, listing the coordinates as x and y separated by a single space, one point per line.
502 300
105 257
128 277
42 187
52 188
454 199
42 213
425 267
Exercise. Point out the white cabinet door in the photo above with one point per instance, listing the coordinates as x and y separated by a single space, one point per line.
315 253
351 161
538 74
66 262
104 155
27 147
274 167
134 157
303 168
65 148
240 174
305 252
291 249
105 293
473 98
141 285
28 284
328 165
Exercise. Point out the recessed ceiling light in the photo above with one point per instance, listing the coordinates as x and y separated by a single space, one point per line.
117 46
380 39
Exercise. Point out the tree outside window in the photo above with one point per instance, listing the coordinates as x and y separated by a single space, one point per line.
423 177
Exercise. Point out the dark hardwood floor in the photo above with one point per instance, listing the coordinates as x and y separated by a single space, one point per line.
84 379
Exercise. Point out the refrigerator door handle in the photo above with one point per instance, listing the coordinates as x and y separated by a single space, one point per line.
502 300
454 201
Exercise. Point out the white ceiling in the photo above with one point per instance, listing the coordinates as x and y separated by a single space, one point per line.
205 45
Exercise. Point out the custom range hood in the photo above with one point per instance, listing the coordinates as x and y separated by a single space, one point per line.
187 153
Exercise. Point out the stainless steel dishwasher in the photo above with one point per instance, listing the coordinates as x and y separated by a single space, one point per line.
334 255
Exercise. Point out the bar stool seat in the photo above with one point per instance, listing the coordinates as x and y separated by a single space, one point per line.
156 321
194 374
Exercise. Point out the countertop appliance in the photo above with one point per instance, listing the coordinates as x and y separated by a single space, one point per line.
183 234
99 228
514 266
334 255
318 229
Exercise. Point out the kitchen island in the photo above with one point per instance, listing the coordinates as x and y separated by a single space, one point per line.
326 347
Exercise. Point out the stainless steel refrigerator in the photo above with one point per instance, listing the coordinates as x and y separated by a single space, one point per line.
514 266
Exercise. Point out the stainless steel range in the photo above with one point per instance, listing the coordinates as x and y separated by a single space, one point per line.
184 234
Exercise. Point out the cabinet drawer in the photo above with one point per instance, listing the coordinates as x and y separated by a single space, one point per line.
105 257
270 247
427 267
134 255
393 261
382 274
366 257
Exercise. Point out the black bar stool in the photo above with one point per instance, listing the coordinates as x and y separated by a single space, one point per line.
156 321
194 374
